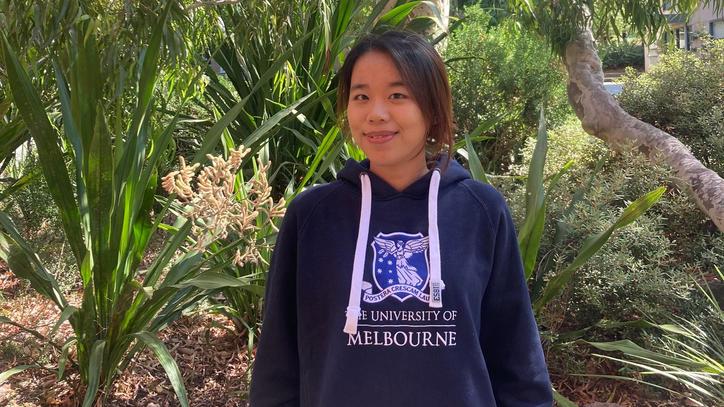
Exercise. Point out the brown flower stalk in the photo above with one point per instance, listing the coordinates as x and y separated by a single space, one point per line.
220 205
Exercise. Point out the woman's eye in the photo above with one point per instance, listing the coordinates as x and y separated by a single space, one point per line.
398 96
359 97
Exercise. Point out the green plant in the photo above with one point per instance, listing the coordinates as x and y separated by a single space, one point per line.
107 212
531 233
689 354
501 71
683 94
642 270
621 54
229 212
38 29
281 58
537 198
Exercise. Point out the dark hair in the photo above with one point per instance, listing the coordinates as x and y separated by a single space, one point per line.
421 69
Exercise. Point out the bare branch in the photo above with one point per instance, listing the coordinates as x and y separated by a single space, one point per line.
211 3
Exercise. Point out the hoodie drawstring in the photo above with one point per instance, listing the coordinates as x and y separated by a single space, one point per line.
436 283
355 289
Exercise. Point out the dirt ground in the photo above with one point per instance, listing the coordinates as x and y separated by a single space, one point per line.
212 358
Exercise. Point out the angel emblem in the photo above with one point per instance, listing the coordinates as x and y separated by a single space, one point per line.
403 250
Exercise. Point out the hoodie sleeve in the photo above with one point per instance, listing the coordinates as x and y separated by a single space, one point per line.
275 378
509 333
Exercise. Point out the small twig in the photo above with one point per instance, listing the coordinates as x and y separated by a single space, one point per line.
29 355
34 333
37 363
211 3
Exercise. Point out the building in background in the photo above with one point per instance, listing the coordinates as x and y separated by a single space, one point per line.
705 22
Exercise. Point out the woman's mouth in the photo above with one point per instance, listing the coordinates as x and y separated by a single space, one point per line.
379 137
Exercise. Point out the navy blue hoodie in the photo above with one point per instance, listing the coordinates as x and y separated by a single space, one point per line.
383 298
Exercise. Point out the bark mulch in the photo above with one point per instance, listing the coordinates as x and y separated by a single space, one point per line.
596 392
214 363
212 358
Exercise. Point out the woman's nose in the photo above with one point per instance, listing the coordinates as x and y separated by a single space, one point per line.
378 112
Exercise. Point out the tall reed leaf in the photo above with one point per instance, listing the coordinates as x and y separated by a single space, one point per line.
95 372
287 63
108 215
529 237
167 362
17 369
46 138
476 167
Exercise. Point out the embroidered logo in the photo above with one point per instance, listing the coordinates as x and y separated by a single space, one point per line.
399 267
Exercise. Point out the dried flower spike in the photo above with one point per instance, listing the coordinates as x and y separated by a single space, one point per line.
215 209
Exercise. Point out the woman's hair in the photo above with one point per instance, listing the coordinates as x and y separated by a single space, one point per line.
422 70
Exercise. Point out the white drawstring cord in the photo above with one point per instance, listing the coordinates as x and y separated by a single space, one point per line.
355 289
436 283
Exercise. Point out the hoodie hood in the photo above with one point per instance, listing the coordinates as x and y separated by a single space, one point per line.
372 186
453 174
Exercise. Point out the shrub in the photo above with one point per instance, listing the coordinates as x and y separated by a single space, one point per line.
687 352
684 95
106 214
644 269
567 141
501 71
621 54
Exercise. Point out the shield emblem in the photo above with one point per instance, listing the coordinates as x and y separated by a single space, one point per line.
401 261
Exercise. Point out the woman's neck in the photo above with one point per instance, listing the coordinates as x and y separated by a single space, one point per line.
401 176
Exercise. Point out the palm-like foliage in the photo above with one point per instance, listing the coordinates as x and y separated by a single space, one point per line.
690 354
278 91
36 30
106 203
281 59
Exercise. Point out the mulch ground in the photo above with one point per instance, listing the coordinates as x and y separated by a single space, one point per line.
213 360
594 392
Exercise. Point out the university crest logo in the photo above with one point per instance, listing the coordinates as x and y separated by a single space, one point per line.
399 267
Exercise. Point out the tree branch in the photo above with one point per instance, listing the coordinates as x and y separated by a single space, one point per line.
211 3
602 117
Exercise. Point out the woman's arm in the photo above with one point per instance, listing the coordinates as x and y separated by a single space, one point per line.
275 379
509 333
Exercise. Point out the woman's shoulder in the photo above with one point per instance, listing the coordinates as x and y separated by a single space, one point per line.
307 200
486 195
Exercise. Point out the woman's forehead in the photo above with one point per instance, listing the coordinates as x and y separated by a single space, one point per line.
375 68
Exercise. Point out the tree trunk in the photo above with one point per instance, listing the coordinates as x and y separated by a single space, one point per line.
602 117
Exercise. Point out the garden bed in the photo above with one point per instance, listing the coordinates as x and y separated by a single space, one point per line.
213 360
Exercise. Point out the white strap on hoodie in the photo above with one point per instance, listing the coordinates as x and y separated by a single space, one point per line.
436 283
355 289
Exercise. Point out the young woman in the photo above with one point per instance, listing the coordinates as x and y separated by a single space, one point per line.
399 284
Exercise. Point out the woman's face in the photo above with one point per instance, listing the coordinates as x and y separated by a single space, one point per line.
385 121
